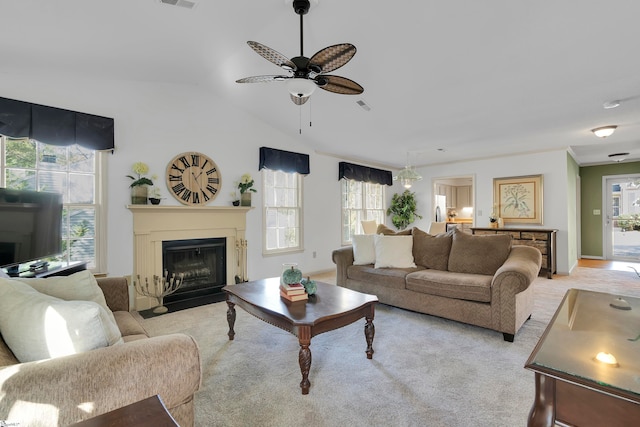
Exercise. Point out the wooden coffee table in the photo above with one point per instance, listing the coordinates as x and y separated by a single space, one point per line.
331 308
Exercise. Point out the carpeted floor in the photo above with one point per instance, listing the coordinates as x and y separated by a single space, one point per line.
426 371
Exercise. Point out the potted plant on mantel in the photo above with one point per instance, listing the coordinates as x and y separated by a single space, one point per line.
139 186
245 186
403 209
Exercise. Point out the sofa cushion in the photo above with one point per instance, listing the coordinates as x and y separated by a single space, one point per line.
389 277
472 287
364 251
394 251
478 254
383 229
431 251
36 326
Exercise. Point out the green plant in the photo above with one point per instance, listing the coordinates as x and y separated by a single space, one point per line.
140 169
403 209
245 184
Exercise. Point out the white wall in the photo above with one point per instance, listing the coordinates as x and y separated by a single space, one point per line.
553 167
155 122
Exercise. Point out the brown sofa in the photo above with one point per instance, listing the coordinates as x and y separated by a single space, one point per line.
479 280
84 385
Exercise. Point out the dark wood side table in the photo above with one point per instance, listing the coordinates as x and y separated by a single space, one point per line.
572 386
332 307
543 239
149 412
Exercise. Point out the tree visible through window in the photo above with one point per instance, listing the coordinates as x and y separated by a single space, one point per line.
361 201
69 170
282 211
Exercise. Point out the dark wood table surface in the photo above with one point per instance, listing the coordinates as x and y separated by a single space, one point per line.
149 412
332 307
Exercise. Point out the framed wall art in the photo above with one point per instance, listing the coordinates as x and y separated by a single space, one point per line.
518 199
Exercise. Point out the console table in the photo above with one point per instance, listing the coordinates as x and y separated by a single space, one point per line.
586 363
543 239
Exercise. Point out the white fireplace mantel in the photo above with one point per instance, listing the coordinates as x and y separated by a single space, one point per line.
153 224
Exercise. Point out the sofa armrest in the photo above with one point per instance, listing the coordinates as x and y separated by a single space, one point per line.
73 388
520 268
116 292
342 258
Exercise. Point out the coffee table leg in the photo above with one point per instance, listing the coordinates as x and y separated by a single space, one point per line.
304 357
231 318
369 332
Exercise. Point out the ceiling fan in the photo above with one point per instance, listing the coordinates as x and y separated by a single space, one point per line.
305 74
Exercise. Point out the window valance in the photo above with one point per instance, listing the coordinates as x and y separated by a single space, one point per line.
286 161
55 126
364 173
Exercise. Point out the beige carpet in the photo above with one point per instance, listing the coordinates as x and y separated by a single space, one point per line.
426 371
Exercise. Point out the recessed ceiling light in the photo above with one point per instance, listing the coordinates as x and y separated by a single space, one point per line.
611 104
618 157
604 131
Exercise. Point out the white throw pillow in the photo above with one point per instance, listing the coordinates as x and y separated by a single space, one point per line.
36 326
394 251
80 286
364 251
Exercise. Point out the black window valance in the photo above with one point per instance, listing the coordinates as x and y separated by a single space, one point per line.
285 161
364 173
55 126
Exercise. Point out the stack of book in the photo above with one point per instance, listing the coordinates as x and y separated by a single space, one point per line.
294 292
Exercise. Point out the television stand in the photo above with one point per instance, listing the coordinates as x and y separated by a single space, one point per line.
63 269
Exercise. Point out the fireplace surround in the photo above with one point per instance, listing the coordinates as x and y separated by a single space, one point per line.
155 224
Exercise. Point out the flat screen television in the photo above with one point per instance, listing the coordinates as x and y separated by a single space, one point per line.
30 226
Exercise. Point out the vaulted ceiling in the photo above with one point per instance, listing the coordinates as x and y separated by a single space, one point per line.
445 80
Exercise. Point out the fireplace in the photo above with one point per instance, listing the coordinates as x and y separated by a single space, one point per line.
221 229
202 262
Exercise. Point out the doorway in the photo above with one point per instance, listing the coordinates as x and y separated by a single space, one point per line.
621 228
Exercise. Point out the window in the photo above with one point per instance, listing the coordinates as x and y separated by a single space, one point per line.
71 170
360 201
282 211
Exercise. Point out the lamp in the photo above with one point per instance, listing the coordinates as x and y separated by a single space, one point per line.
604 131
407 176
300 87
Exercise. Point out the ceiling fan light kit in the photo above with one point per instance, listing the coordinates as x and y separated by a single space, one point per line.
305 74
604 131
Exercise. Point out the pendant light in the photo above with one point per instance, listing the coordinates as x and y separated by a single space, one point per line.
408 175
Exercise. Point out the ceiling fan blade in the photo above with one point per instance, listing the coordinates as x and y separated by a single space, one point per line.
271 55
262 79
340 85
299 100
332 57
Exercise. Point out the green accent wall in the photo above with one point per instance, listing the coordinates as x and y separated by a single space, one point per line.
591 198
573 171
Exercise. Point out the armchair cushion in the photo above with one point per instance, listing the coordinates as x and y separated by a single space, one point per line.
36 326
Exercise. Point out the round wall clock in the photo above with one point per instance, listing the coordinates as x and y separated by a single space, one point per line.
193 178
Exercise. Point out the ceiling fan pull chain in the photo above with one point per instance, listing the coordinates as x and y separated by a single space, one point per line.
309 112
300 119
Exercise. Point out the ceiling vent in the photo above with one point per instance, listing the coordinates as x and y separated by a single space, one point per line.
364 105
618 157
180 3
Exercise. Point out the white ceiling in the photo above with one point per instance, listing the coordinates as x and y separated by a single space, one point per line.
446 80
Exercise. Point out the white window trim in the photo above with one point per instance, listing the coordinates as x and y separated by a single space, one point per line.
101 234
342 210
300 248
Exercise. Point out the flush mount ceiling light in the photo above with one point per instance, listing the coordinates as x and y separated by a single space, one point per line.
618 157
604 131
611 104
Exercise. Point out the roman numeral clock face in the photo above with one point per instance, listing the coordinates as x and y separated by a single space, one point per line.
193 178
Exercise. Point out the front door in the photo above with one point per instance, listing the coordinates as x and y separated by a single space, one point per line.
622 220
